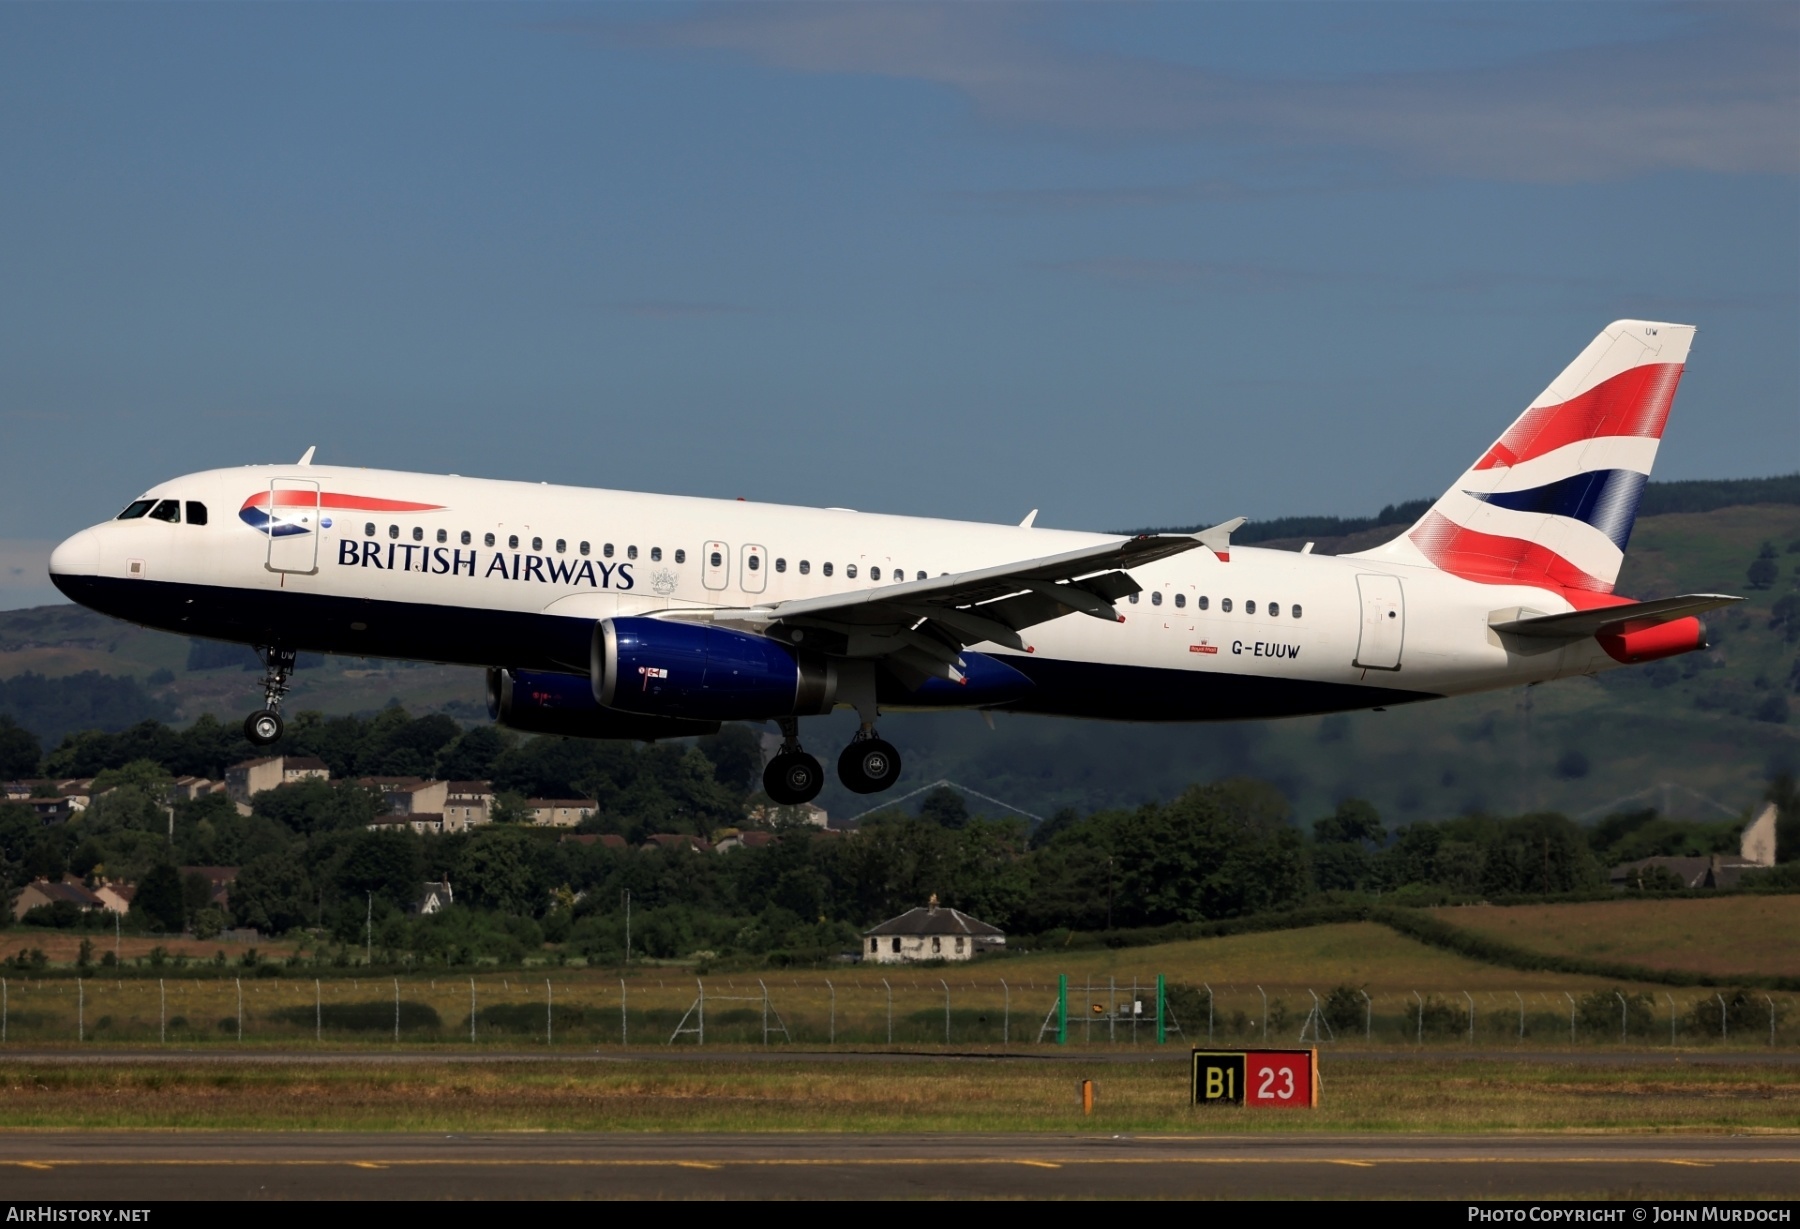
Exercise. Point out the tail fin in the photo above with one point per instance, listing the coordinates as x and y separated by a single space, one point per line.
1552 502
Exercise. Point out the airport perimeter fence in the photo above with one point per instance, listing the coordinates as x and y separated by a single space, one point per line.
905 1008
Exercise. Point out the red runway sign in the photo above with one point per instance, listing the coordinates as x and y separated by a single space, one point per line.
1268 1079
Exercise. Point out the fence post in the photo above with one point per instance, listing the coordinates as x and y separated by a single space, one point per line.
1724 1029
1368 1017
1771 1003
1062 1009
1624 1015
1471 999
890 1009
1571 999
831 1038
1005 1013
946 986
624 1033
1420 1040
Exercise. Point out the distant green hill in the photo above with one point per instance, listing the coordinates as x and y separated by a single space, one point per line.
1703 495
1718 723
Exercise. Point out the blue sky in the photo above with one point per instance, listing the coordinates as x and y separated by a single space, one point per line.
1129 264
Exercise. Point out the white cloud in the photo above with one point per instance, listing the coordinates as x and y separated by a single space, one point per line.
1721 95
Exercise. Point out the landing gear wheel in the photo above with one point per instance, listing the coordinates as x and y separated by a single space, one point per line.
793 777
869 765
263 728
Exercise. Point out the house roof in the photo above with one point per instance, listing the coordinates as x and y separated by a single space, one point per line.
1723 870
76 894
677 840
934 920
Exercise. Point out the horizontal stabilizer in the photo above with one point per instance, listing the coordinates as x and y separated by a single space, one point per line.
1611 620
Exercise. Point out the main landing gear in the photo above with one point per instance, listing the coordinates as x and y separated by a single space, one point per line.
793 776
264 727
867 766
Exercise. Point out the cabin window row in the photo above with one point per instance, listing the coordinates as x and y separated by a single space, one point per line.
165 510
804 567
1225 607
607 550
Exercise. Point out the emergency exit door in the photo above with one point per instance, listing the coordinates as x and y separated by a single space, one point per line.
1383 622
715 565
293 526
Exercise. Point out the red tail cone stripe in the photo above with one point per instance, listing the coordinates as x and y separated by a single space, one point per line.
1494 560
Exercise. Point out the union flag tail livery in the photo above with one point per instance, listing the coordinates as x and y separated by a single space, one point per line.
617 614
1551 503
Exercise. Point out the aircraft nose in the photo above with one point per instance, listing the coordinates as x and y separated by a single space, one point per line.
78 555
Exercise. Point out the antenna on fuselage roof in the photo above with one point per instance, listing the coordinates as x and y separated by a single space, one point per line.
306 458
1029 517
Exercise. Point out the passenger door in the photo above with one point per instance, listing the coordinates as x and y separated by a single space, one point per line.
1383 622
715 565
293 526
753 575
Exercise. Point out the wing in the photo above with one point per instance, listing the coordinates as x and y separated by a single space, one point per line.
1632 617
920 627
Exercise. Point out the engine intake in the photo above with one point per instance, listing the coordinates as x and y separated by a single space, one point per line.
537 702
698 672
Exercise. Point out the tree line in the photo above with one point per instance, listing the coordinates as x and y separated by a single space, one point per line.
308 861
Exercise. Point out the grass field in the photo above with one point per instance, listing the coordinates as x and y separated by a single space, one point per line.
875 1096
1242 987
1733 934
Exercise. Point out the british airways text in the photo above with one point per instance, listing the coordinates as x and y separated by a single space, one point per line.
449 561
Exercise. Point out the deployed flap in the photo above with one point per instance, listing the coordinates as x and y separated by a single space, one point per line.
1612 620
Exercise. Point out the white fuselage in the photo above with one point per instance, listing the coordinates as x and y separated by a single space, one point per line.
469 575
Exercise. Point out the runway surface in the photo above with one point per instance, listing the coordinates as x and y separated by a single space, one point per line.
128 1166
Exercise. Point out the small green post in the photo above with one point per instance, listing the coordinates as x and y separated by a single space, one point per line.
1162 998
1062 1009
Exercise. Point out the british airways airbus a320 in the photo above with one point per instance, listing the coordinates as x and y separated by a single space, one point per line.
605 614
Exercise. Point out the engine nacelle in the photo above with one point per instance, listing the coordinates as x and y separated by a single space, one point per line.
538 702
695 671
1650 643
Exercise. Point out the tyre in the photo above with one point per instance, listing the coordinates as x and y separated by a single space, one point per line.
263 728
869 766
793 778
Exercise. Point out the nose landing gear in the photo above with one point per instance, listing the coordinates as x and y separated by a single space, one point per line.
792 776
264 727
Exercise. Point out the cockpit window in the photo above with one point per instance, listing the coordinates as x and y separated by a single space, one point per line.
137 508
168 510
196 512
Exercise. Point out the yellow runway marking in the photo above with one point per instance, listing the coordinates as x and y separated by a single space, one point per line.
33 1165
699 1165
1695 1164
1357 1164
1040 1164
367 1165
